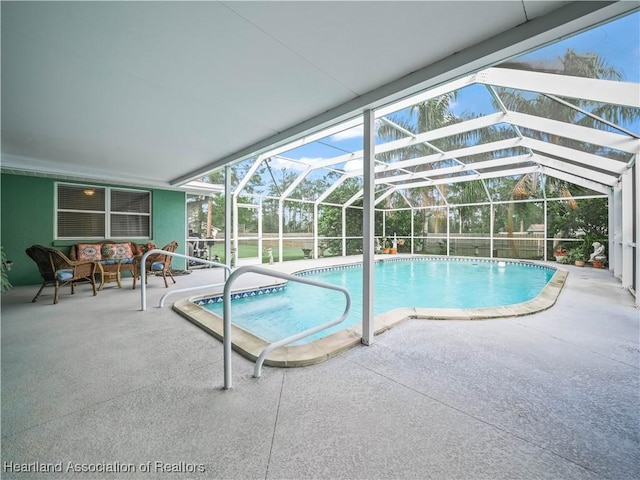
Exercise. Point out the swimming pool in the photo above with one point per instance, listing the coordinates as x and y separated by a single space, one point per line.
419 283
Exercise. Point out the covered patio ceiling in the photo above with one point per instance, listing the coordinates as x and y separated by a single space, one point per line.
160 93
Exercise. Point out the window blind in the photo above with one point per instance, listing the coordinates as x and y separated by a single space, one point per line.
85 212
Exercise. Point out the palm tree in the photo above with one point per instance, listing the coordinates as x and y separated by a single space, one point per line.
425 116
588 65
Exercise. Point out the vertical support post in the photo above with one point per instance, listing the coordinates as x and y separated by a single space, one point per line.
492 222
627 229
636 221
384 224
226 339
617 232
234 249
448 233
611 229
280 229
260 230
228 228
315 229
344 231
413 240
368 227
545 213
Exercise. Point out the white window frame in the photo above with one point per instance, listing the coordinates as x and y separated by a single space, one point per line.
107 212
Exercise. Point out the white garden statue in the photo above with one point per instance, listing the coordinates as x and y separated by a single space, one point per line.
598 252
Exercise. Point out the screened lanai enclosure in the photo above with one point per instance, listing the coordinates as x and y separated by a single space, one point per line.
514 161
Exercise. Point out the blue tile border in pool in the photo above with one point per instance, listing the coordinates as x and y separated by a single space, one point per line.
312 271
241 294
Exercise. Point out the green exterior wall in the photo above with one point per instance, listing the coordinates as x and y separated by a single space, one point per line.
27 210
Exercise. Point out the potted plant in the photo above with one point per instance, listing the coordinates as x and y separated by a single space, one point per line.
577 256
386 245
561 254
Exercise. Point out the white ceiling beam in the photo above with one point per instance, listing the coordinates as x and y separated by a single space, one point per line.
575 132
483 148
347 157
597 90
462 127
567 177
203 188
401 193
591 115
331 189
453 154
425 96
313 137
403 164
408 133
252 170
478 176
576 170
588 159
384 195
295 183
355 197
427 174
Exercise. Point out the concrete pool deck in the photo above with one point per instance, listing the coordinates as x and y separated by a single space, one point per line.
96 383
251 346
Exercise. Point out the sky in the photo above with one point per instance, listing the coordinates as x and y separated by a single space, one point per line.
617 41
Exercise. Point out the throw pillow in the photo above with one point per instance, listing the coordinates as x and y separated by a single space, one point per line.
89 251
121 250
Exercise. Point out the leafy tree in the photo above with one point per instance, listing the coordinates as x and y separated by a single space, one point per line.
330 217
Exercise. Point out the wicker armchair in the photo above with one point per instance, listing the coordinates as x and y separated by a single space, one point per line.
57 270
157 263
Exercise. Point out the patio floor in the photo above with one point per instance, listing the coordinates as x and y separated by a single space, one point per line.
94 383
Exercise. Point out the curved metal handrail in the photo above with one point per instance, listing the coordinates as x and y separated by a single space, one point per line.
143 274
226 340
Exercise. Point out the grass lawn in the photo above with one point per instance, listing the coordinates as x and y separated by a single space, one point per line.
249 251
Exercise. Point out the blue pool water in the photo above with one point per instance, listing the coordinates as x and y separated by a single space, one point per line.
425 283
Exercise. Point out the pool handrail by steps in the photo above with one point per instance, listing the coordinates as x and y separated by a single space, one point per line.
285 341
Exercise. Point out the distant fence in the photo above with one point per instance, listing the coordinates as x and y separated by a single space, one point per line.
522 245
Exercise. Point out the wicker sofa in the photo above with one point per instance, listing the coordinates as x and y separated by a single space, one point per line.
114 256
